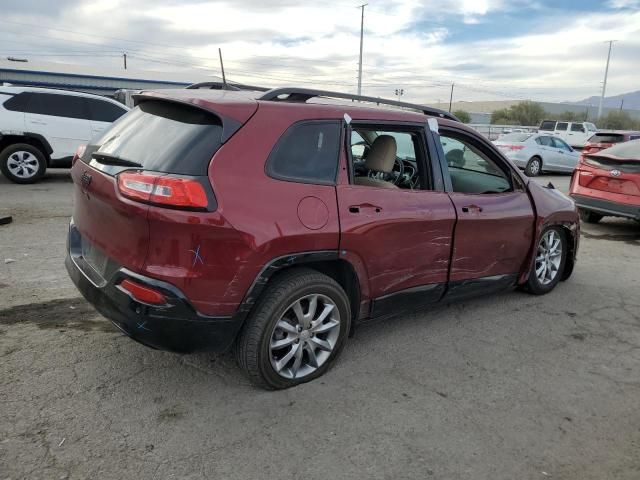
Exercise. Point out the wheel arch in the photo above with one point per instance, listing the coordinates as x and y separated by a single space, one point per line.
34 139
327 262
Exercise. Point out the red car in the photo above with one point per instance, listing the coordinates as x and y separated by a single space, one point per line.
602 140
607 183
205 220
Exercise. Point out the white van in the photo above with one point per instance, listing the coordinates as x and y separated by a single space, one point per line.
575 134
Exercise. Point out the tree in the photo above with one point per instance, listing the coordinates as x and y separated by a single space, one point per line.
573 116
523 113
618 120
463 116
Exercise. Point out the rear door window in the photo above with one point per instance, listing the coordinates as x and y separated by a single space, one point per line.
101 111
544 140
307 153
561 126
69 106
163 137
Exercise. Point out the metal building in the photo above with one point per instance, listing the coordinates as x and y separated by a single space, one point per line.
90 79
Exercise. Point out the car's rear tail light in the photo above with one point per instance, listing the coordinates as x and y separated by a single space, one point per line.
78 155
162 190
143 293
513 147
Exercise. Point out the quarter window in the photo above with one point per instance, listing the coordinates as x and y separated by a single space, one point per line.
307 153
548 125
17 103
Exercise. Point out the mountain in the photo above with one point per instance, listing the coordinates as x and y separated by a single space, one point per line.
631 101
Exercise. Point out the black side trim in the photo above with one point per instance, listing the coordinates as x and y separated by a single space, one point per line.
411 299
64 162
479 286
274 266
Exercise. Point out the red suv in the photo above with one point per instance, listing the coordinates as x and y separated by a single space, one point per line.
607 183
205 220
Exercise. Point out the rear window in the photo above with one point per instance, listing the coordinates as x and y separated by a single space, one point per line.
629 150
549 125
164 137
307 153
607 138
101 111
515 137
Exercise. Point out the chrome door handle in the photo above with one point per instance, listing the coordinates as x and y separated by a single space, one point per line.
471 209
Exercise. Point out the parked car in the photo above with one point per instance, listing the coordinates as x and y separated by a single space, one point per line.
537 153
42 128
607 183
275 225
574 133
602 140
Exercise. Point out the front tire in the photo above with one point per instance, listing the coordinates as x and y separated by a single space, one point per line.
549 262
296 330
589 217
22 163
534 167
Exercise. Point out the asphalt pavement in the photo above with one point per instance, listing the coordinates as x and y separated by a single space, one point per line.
510 386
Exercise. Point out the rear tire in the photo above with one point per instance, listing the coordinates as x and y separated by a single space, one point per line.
534 167
588 216
549 261
275 334
22 163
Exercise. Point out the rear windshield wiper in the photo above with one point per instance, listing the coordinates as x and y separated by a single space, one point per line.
107 159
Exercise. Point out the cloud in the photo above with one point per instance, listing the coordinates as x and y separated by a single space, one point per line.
489 48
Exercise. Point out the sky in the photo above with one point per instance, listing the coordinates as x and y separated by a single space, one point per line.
490 49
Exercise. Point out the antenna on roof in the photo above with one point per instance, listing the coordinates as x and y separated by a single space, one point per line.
224 79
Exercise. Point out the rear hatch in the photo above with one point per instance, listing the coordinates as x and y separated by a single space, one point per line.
614 170
157 154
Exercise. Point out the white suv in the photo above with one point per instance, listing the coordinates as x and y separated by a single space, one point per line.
42 128
575 134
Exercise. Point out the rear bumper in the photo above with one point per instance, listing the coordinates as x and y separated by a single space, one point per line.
175 327
607 207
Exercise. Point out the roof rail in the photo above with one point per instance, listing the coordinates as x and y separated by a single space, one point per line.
304 94
228 86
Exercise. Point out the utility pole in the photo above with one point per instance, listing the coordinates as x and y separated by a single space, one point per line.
124 57
451 97
224 79
399 92
621 104
361 40
604 84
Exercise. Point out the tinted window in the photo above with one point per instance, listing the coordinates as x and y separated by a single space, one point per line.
634 137
544 140
102 111
577 127
69 106
548 125
307 152
591 127
562 126
17 103
607 138
163 137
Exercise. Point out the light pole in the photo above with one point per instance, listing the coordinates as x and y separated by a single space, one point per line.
361 41
604 84
399 92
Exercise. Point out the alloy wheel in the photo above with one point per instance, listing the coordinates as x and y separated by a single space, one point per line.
23 164
548 257
304 336
535 167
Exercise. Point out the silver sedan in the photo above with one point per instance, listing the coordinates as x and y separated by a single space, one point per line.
537 153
